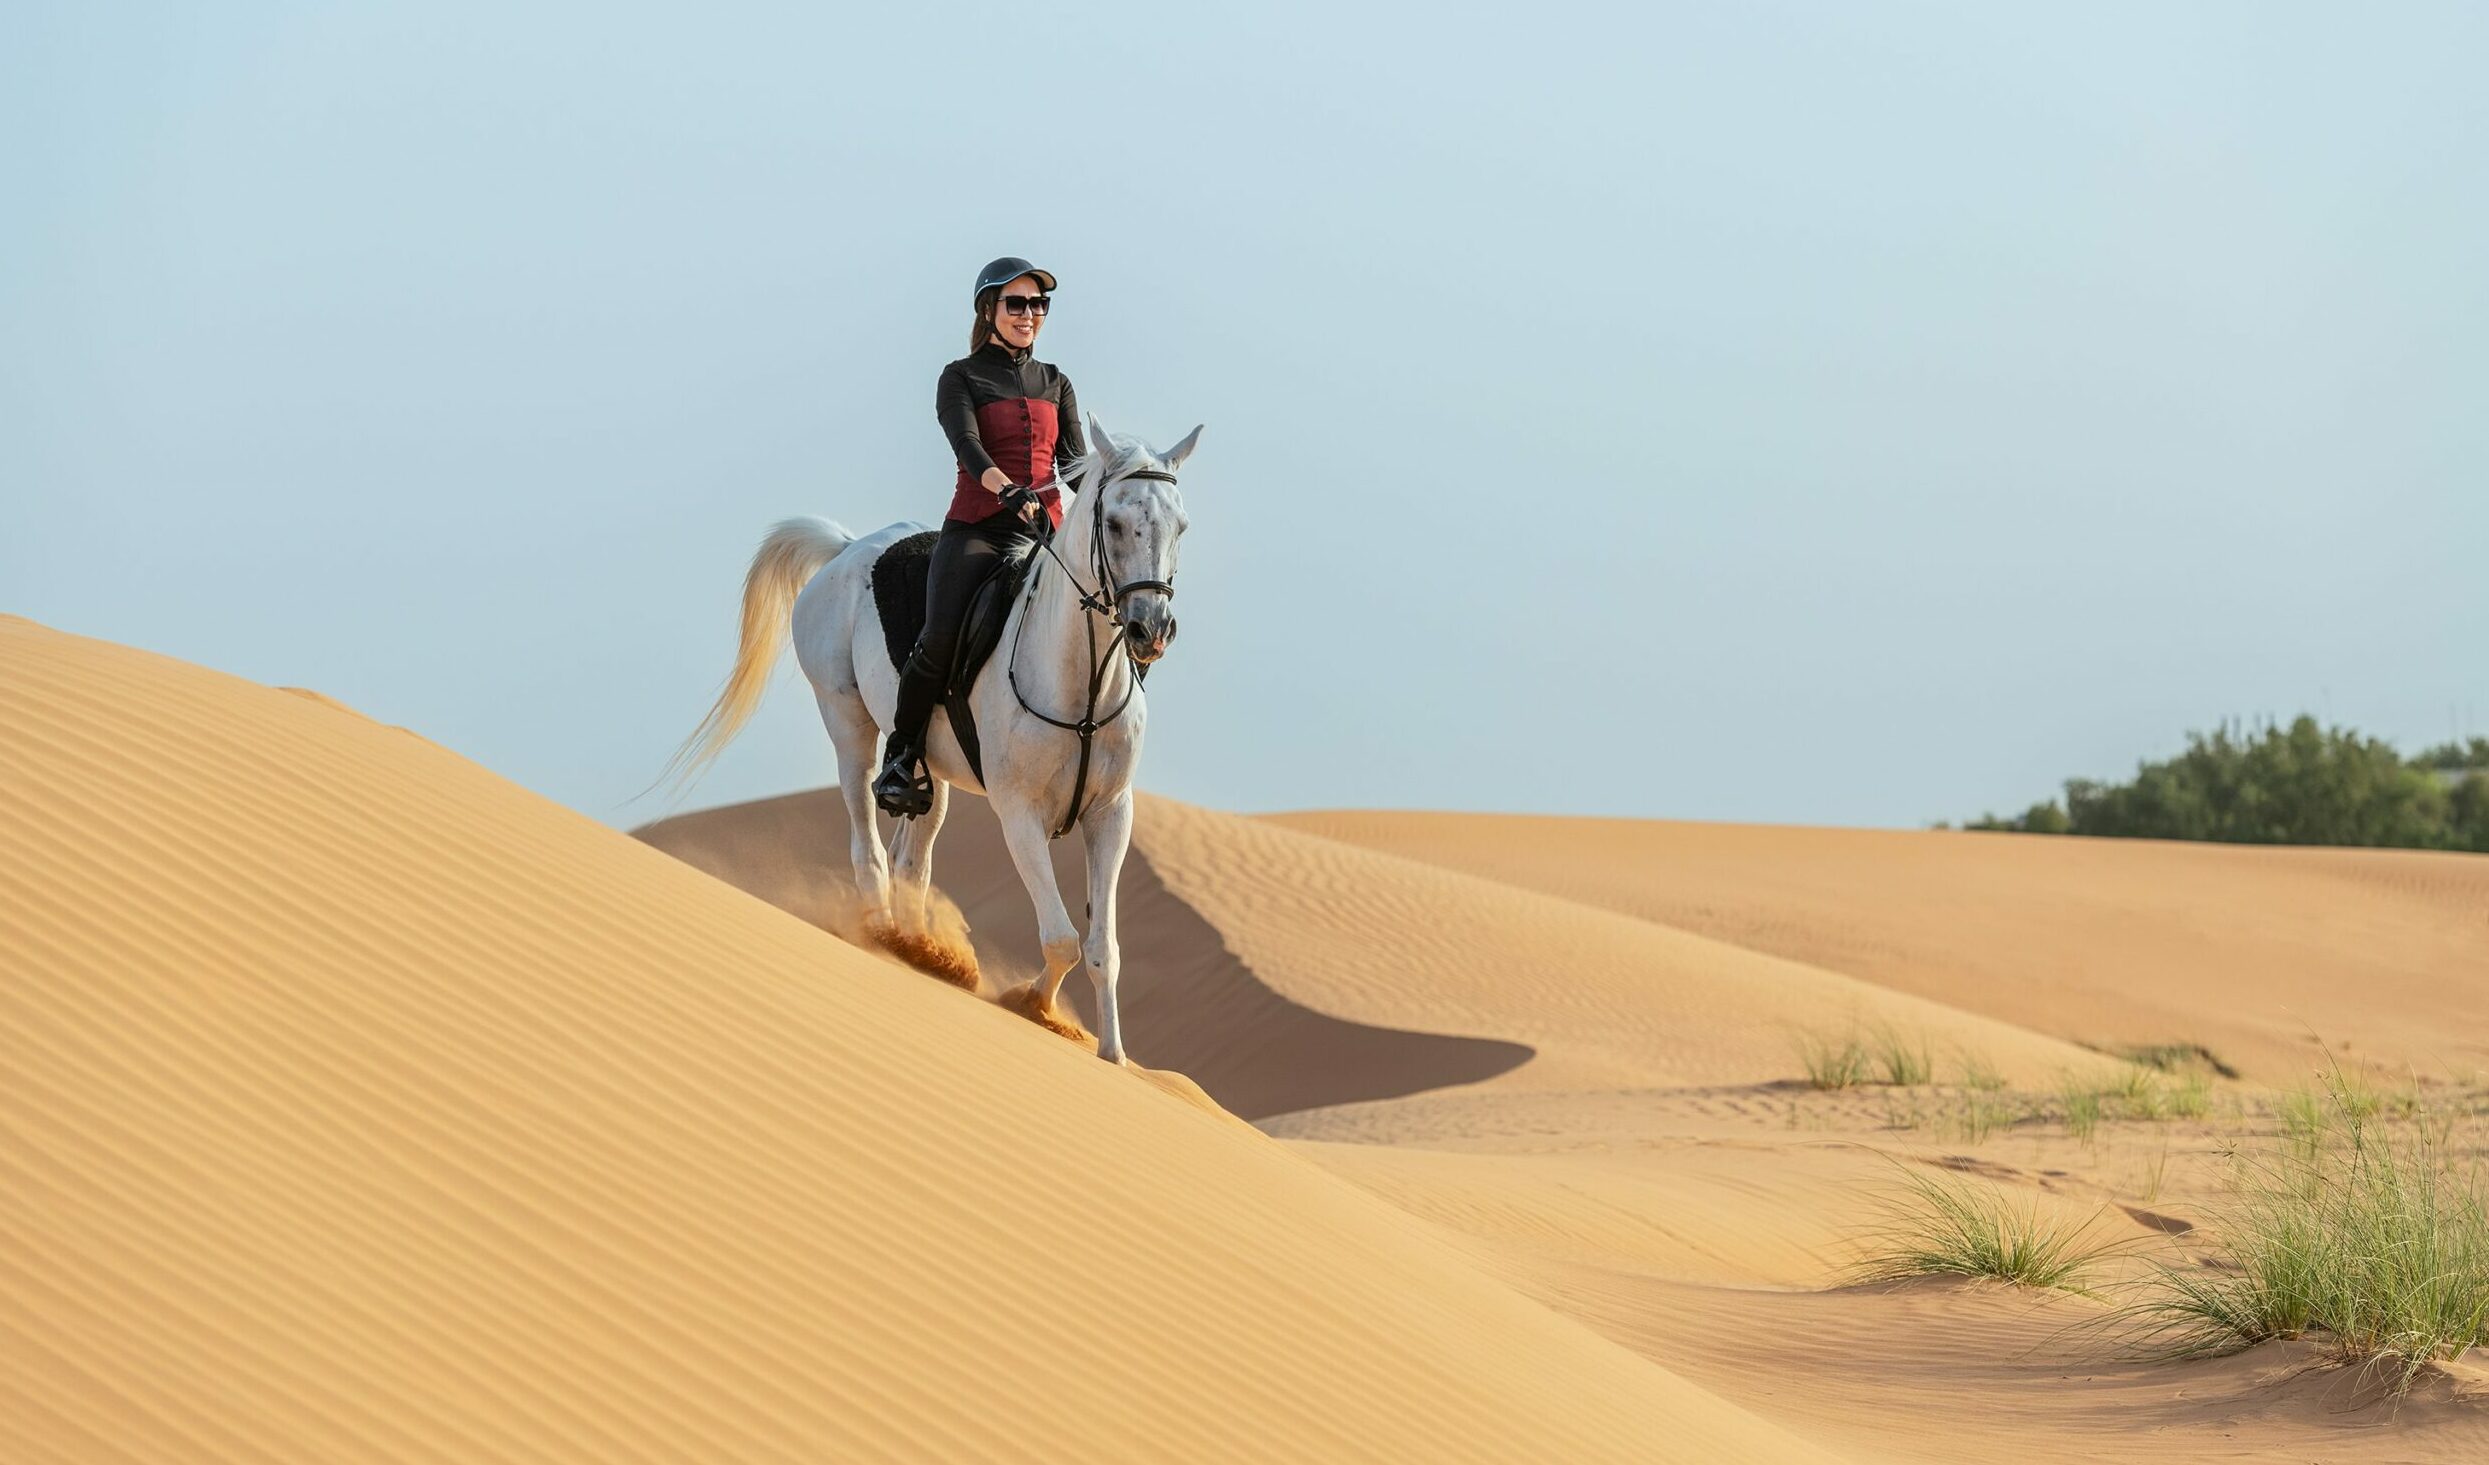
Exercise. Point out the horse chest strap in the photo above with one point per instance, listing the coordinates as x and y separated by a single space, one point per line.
1080 779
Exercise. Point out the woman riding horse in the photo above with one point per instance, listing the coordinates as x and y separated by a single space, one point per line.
1011 419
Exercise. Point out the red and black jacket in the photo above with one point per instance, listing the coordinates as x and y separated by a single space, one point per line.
1006 409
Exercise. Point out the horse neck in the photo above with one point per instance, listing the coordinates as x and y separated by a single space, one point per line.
1058 659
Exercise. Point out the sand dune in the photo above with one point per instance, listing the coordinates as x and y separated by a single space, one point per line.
1647 1165
1606 1000
360 1105
1190 1002
1288 972
2257 954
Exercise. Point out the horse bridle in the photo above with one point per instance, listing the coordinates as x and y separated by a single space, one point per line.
1094 604
1098 601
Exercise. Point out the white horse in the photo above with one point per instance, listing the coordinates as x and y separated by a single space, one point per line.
1093 609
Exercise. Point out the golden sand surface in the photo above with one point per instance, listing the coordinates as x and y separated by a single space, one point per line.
1570 1046
356 1104
361 1105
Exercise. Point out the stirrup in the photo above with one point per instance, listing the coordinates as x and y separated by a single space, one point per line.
903 790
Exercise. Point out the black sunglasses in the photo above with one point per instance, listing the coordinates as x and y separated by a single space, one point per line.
1027 304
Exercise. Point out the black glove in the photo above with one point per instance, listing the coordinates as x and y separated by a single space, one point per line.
1019 498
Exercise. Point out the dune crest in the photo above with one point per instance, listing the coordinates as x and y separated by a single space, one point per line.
1604 999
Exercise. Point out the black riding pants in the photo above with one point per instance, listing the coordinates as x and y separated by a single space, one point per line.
964 558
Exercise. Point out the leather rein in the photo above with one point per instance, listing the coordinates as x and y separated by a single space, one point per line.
1095 605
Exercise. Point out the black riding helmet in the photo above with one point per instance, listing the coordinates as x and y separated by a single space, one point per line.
1007 269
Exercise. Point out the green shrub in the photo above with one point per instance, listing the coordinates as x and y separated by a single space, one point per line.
2303 784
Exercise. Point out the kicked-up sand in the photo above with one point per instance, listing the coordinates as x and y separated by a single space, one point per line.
356 1104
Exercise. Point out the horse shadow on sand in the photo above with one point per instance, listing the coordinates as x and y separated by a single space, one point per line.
1189 1002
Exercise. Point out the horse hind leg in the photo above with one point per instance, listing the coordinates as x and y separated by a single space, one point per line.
858 742
911 863
914 935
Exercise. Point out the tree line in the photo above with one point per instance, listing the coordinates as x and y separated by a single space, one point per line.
2300 784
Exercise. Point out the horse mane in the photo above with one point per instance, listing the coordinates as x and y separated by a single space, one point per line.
1102 461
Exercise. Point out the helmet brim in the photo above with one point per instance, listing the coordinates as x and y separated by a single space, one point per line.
1003 271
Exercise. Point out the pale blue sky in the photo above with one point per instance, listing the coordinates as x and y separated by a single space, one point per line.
1834 414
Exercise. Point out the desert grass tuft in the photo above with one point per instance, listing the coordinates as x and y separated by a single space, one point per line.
2083 1108
2369 1235
1983 1114
2146 1100
1832 1063
1946 1225
1978 1073
2155 1173
2134 1085
2353 1095
2303 1119
1905 1062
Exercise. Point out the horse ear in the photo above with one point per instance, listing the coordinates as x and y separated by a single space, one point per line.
1099 442
1174 457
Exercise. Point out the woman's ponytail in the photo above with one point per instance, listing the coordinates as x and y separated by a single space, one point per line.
983 330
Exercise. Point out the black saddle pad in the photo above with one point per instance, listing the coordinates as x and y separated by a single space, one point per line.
899 597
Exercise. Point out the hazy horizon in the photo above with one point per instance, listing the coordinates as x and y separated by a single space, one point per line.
1767 414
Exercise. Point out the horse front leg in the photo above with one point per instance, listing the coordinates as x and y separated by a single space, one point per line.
1107 830
1024 833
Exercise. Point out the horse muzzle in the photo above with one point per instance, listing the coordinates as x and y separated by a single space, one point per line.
1148 632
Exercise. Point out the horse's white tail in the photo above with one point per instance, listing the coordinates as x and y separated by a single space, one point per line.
791 553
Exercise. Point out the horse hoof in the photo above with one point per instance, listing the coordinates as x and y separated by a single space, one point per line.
1023 1000
951 961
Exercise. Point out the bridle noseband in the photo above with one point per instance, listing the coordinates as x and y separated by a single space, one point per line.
1095 604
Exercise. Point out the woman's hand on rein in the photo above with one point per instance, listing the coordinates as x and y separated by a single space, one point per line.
1022 501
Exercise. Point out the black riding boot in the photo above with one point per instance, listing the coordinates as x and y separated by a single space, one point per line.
903 789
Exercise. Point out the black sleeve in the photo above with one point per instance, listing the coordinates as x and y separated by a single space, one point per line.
956 410
1068 443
